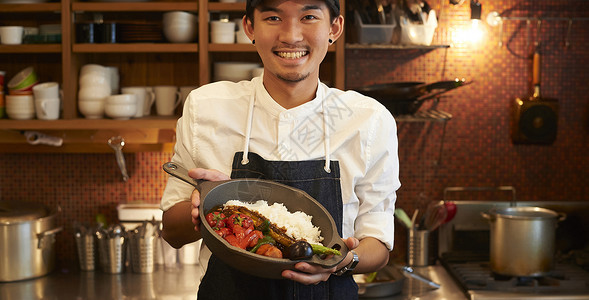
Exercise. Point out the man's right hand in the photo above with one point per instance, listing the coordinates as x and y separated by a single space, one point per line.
205 174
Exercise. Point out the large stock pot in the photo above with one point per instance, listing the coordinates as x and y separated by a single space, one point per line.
522 240
27 240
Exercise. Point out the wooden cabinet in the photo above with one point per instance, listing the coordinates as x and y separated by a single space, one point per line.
145 64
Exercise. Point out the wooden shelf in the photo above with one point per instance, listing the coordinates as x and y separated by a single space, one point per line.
31 48
218 6
89 124
135 48
31 7
133 6
394 47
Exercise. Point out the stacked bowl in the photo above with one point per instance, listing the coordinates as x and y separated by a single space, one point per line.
20 107
222 32
22 83
121 107
95 86
180 26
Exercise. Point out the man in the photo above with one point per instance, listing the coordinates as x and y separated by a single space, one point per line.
339 147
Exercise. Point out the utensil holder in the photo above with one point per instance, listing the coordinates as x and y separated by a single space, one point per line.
112 253
142 253
418 248
86 252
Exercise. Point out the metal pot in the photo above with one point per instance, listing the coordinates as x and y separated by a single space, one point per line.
522 240
27 240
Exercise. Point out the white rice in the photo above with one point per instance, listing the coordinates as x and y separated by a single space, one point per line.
298 224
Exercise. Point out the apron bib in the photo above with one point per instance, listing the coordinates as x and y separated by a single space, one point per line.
223 282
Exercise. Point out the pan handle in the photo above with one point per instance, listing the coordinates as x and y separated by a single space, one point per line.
181 173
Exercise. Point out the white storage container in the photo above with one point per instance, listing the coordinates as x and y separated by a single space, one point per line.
418 34
374 33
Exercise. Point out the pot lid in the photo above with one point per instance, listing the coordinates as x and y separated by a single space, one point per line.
526 213
12 211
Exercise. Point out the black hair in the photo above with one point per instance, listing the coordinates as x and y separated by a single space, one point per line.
332 5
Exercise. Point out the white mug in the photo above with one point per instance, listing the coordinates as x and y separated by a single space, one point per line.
184 91
166 99
11 35
149 101
47 109
46 90
142 98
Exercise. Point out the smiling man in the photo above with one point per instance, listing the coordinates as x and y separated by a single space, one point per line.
340 147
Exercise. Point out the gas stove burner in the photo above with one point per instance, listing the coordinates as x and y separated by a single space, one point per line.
478 276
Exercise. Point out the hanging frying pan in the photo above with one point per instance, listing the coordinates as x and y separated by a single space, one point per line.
535 118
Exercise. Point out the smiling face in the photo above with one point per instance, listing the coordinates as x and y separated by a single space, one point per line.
292 37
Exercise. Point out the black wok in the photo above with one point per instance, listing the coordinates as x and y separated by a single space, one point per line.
216 193
403 98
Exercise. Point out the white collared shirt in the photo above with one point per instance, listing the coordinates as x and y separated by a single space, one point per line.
362 136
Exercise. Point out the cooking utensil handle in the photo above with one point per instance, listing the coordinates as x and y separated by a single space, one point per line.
536 68
41 236
482 188
409 271
181 173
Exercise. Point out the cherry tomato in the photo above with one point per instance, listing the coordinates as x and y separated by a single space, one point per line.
216 219
239 219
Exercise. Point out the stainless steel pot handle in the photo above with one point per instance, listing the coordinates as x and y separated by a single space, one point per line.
487 216
482 188
49 233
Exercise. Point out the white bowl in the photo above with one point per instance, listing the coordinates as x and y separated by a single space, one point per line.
181 16
20 115
222 26
19 100
234 71
93 109
95 69
93 78
180 33
121 99
120 111
94 92
241 37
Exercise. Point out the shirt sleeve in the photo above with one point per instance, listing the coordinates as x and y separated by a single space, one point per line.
177 190
377 189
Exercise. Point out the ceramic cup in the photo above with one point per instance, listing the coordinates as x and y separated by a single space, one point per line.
114 79
149 101
222 32
46 90
11 35
47 108
20 107
142 96
166 99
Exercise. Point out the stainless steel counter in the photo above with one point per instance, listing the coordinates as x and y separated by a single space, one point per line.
180 283
415 289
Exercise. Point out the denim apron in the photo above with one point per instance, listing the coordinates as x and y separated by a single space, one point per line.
322 182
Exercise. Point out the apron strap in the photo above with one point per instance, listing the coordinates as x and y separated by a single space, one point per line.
248 128
250 118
